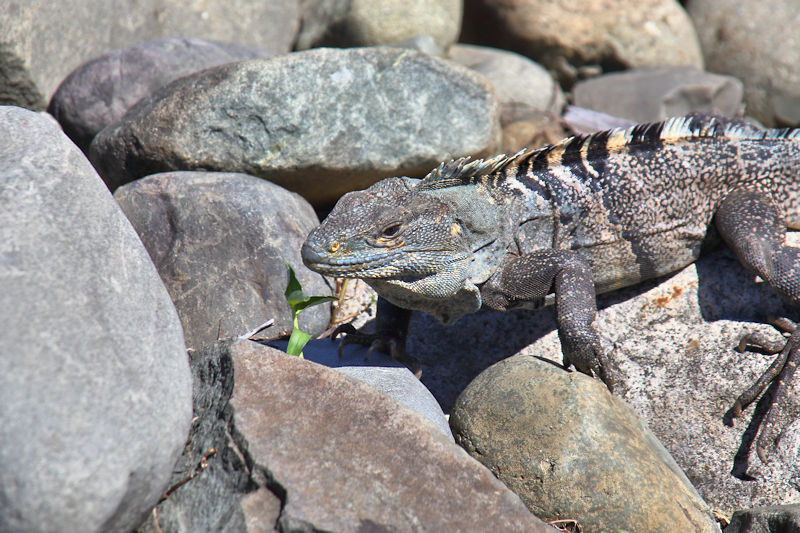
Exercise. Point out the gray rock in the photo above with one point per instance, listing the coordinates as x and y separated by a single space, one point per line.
769 519
42 42
337 454
368 23
379 370
220 242
652 94
517 79
674 340
363 115
100 91
585 121
757 42
95 393
571 450
421 43
600 36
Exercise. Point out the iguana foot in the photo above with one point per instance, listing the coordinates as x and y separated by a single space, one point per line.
589 357
777 377
392 345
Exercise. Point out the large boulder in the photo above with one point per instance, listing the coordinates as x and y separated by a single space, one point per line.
95 393
652 94
375 22
758 42
517 79
221 242
100 91
301 447
571 450
320 122
42 42
595 36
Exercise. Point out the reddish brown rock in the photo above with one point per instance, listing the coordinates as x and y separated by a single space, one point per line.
301 447
598 35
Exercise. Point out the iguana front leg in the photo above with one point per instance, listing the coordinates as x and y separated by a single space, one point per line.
531 277
753 227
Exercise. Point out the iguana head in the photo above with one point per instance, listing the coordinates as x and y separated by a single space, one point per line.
387 232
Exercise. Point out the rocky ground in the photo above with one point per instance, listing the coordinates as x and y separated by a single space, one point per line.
160 163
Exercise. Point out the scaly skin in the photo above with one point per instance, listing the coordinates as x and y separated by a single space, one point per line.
587 215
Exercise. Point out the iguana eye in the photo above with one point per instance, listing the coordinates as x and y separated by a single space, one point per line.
391 230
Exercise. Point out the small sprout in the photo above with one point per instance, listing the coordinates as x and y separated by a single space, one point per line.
298 302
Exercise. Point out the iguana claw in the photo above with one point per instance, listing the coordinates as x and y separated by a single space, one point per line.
391 345
777 376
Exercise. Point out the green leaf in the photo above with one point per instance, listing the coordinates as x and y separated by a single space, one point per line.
294 292
298 301
312 301
297 341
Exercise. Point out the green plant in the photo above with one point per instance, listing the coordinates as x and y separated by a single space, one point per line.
298 302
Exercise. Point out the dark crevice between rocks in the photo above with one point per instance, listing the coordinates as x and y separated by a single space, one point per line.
211 499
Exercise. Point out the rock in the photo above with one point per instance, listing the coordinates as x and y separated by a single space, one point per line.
527 127
42 42
585 121
757 42
595 36
349 23
571 450
770 519
421 43
379 370
674 339
653 94
95 395
337 454
366 114
221 242
517 79
100 91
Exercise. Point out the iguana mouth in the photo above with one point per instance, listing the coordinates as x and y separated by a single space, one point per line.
351 266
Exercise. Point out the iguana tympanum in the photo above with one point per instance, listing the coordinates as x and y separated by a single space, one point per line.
584 216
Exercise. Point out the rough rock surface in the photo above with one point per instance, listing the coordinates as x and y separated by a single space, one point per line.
366 114
675 340
100 91
349 23
758 42
517 79
337 454
220 242
379 370
525 126
571 450
42 42
769 519
95 392
649 95
594 36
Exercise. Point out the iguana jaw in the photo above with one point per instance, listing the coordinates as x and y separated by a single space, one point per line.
380 263
349 265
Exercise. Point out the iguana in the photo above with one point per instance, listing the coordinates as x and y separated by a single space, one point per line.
587 215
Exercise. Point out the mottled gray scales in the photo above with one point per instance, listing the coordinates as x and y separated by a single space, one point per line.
589 214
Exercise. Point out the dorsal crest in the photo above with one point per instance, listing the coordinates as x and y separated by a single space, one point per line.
462 171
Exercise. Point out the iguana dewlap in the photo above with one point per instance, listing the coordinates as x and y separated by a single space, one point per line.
587 215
